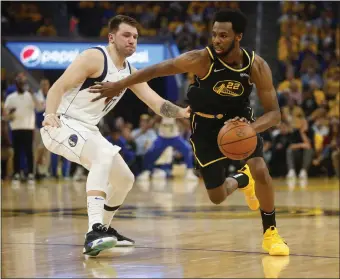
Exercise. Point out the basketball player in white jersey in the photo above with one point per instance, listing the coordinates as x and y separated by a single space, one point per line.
69 128
168 136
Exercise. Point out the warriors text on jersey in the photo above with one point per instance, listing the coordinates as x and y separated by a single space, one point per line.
76 103
223 88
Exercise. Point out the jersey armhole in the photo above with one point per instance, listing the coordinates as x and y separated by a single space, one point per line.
90 81
210 54
129 67
212 61
252 61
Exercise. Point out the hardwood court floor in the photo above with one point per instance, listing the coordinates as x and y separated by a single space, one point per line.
178 233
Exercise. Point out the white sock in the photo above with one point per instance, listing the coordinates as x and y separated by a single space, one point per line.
109 212
95 210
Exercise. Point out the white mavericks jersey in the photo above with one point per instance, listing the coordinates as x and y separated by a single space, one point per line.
76 103
168 128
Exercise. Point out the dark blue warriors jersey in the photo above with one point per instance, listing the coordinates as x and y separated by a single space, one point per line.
224 88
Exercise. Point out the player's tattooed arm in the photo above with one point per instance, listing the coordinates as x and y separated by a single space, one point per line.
170 110
159 105
196 62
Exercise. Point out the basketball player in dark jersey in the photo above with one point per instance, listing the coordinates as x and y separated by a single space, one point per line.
225 74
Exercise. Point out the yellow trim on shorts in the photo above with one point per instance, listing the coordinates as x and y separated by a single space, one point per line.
207 164
192 122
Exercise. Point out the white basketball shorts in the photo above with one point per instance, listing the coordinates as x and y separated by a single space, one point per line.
68 140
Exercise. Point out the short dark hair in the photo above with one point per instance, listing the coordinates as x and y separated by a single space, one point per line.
119 19
235 16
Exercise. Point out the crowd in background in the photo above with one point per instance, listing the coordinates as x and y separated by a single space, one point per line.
186 22
307 139
308 55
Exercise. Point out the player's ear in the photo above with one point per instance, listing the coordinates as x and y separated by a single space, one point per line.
239 37
111 37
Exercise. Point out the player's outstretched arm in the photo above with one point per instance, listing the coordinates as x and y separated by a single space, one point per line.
87 64
261 75
191 61
159 105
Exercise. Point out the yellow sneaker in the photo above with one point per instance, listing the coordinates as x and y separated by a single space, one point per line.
249 190
272 266
274 244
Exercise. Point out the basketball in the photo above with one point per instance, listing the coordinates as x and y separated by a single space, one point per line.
237 140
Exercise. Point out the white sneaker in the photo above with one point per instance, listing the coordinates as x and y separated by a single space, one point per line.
16 180
303 174
159 174
291 174
145 175
190 175
31 178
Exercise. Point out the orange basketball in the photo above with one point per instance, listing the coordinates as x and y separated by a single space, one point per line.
237 140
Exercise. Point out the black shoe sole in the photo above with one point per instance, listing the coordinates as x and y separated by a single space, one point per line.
107 243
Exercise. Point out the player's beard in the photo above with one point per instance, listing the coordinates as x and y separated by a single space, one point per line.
120 50
230 48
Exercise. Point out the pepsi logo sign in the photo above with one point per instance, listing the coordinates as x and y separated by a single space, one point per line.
30 56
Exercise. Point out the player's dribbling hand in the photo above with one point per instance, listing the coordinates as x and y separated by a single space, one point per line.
105 89
237 118
51 120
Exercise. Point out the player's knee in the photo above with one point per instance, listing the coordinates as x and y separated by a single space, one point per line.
129 179
217 195
216 200
105 157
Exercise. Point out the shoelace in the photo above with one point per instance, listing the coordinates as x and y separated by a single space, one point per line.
277 237
101 228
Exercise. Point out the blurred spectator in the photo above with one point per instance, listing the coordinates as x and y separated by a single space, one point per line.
327 157
6 146
20 108
293 93
311 75
126 151
293 114
306 60
332 85
47 29
289 78
196 15
309 39
309 103
11 86
143 136
42 155
301 146
280 143
318 94
73 26
65 167
168 136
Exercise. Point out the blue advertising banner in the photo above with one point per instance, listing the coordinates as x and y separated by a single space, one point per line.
58 55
